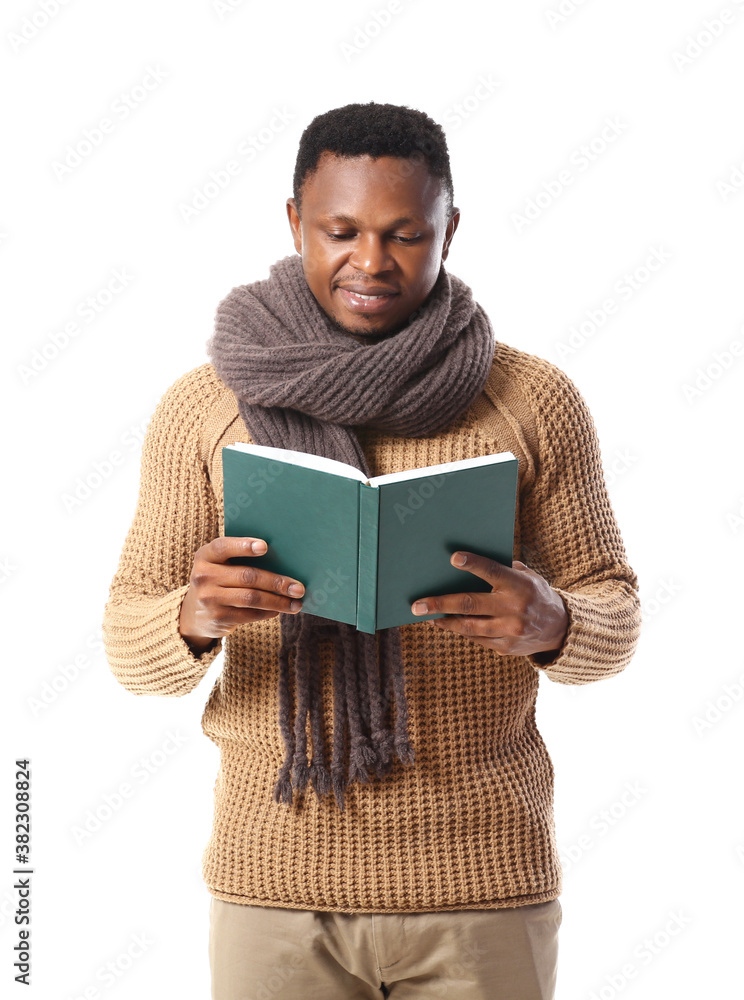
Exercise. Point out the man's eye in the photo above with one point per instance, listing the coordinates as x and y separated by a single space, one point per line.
348 236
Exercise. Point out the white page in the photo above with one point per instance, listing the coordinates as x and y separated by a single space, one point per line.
302 458
435 470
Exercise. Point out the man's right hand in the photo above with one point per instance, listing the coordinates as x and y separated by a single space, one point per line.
222 596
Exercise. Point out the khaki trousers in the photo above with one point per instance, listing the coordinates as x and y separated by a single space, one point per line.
276 953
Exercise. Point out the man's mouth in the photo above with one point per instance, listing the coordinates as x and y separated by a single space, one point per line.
358 302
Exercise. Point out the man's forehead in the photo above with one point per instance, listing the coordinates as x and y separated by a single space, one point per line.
407 186
351 220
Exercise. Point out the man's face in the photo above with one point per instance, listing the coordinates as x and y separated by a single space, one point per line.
375 227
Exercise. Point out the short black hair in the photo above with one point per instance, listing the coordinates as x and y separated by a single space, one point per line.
374 130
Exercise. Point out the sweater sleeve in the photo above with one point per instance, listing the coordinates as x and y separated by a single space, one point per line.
570 536
176 514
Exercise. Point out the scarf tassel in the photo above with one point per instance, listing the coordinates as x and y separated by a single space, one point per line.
357 677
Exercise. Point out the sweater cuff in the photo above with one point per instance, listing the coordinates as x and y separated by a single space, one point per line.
600 640
145 650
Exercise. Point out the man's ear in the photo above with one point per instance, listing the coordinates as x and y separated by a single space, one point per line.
450 232
294 224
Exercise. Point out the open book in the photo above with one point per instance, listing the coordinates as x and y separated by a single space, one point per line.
367 549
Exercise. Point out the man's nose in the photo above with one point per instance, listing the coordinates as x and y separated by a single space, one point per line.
372 256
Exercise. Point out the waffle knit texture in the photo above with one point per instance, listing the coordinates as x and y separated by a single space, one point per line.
302 383
470 824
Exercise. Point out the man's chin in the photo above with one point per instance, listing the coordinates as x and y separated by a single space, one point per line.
367 331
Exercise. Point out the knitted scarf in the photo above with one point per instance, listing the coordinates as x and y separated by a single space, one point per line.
302 383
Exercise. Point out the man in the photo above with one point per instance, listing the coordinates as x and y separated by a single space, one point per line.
432 868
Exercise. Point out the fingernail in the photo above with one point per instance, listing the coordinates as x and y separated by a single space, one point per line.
258 547
295 605
419 608
296 589
459 559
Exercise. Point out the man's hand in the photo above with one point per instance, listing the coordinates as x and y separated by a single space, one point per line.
522 614
222 596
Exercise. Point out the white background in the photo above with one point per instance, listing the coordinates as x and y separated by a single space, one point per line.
648 764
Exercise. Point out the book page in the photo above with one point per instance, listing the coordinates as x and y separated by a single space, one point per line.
303 458
436 470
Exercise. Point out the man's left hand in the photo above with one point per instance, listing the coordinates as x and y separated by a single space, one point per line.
522 614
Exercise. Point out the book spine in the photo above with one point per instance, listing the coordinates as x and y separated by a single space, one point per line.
369 524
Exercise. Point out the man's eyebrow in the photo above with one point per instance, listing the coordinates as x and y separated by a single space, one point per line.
403 220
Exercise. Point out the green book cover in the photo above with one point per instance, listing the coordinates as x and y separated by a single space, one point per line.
367 549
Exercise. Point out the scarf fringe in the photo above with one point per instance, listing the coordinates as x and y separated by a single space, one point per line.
368 752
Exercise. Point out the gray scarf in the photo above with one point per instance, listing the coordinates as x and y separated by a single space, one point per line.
303 383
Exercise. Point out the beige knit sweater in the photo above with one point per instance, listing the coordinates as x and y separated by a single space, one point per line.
470 823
